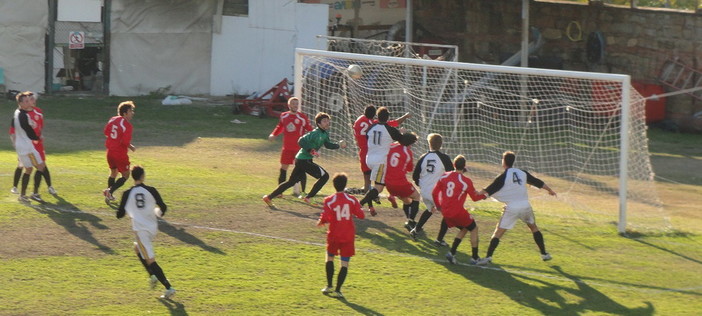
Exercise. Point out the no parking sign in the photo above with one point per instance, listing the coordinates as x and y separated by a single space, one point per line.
76 40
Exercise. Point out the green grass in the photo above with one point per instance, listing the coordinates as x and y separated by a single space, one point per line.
228 254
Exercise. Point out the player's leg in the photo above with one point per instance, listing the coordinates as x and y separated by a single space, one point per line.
378 177
297 173
473 229
145 247
539 239
347 250
16 179
25 183
329 267
342 275
443 229
320 174
38 176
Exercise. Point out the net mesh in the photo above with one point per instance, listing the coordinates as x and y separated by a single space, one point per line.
388 48
564 129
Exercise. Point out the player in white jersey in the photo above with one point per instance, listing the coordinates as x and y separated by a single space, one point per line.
510 188
144 205
25 139
380 135
429 169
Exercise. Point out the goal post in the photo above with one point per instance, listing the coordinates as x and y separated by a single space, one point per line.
584 131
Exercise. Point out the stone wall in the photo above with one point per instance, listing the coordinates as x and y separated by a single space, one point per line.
638 41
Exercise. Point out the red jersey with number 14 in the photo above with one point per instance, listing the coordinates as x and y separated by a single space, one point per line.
451 191
118 133
293 126
339 209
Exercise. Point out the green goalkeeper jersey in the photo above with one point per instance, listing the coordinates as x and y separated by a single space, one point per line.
313 141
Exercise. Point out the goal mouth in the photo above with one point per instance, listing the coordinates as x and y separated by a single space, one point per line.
565 126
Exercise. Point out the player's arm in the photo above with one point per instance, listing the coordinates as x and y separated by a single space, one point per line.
122 203
538 183
418 169
158 199
357 210
402 119
436 193
277 130
394 133
328 144
496 185
324 217
446 160
24 124
473 193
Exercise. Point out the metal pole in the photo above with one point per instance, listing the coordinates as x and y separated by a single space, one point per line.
525 33
408 24
624 153
49 48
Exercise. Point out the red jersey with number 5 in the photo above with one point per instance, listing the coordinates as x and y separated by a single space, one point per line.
118 133
339 209
451 191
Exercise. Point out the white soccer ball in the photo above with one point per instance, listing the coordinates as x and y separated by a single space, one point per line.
354 71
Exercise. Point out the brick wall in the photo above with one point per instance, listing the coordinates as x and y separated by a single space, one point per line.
638 41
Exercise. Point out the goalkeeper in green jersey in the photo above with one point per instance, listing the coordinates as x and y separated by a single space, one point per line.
310 143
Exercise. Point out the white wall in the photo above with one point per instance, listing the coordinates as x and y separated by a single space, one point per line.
251 54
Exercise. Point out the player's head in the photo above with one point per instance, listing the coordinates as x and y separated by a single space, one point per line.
294 104
370 112
322 120
508 158
25 98
126 109
408 138
340 180
138 173
435 141
460 163
383 114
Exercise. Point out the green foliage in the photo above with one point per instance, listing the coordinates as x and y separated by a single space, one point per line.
228 254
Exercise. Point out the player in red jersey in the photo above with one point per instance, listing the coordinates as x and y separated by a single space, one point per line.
118 139
449 195
338 211
399 163
292 124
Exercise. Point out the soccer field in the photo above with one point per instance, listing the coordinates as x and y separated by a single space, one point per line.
228 254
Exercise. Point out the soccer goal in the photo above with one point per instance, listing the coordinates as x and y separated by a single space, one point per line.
584 133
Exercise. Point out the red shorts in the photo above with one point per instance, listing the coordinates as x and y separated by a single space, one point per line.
462 219
40 148
119 161
362 152
344 249
287 156
402 190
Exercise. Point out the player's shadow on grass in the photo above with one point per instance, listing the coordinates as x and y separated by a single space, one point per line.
182 235
175 308
360 309
667 250
72 219
392 237
546 297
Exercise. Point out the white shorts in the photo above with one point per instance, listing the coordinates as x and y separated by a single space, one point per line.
144 244
428 199
32 159
510 217
378 173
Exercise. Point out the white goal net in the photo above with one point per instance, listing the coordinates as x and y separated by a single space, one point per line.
575 130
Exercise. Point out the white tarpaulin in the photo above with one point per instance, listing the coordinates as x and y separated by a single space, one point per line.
160 44
22 28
